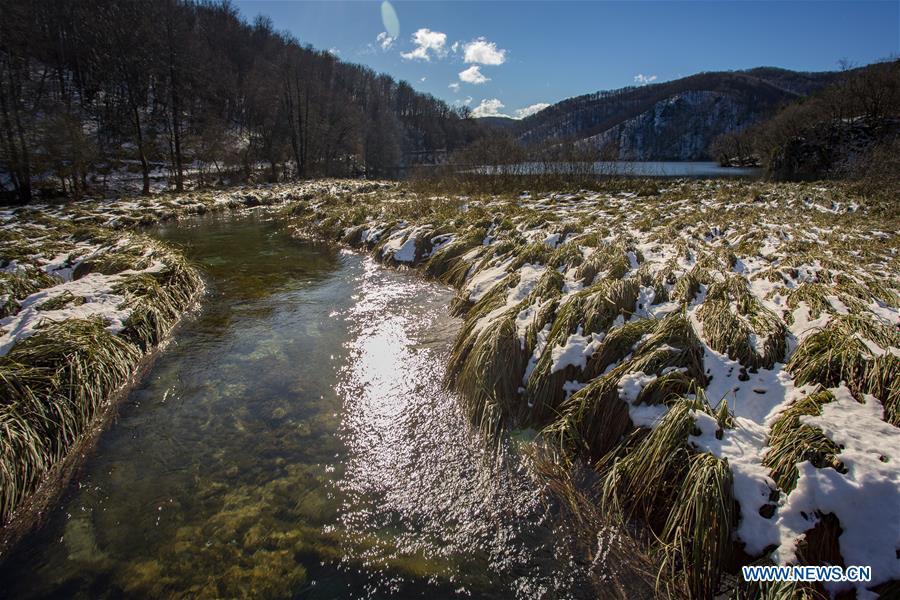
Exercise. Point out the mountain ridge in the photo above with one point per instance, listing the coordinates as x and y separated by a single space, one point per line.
672 120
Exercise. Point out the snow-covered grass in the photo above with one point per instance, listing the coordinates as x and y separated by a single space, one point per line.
81 305
702 342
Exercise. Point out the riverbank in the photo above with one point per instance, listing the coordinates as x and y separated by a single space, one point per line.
725 353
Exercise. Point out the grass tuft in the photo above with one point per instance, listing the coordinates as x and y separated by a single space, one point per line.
791 442
19 285
697 535
841 351
644 481
486 367
53 383
737 324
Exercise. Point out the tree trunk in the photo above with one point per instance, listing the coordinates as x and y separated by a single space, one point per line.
12 125
139 135
176 132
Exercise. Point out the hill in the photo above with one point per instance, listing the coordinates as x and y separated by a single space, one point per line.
850 128
675 120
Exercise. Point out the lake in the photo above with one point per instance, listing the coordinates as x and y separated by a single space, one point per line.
689 169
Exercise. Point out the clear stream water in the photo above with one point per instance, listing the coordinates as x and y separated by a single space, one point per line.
295 440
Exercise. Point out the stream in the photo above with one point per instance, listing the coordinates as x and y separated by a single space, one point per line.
295 440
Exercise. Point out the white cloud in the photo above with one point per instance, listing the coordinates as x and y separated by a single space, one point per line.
521 113
473 75
454 86
422 79
468 100
384 40
427 43
334 51
489 108
483 52
642 79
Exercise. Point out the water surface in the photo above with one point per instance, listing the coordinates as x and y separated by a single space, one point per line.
295 440
685 169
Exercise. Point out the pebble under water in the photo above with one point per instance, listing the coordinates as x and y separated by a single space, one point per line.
295 439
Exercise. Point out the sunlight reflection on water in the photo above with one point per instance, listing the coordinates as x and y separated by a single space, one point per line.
417 468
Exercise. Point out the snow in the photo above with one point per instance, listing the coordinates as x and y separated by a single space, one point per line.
395 244
890 316
872 347
485 280
804 324
744 448
552 240
866 500
632 260
407 252
439 242
838 305
641 415
760 398
529 275
539 347
100 301
576 350
524 319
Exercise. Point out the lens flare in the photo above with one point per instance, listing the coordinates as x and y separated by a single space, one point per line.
390 20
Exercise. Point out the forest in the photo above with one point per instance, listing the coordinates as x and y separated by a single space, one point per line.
94 90
846 130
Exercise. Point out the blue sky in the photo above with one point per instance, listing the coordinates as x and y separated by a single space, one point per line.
511 57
